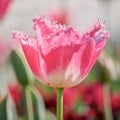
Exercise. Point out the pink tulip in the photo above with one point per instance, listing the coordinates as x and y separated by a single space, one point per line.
15 91
4 4
59 55
59 16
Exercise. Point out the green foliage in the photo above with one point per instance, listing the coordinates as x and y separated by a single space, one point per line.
7 110
19 69
31 104
38 105
81 107
3 111
50 116
115 85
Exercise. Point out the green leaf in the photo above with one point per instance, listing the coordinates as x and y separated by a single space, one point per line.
33 107
50 116
3 111
38 105
11 109
115 85
81 107
19 69
7 110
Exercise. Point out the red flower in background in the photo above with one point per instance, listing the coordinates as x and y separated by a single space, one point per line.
62 56
59 16
4 4
16 93
69 98
115 101
93 95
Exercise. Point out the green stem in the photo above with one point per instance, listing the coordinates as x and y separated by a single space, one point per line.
29 106
107 102
60 103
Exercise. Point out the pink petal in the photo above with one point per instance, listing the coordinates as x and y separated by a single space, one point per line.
32 56
61 49
86 52
30 50
99 37
4 4
82 57
97 51
59 58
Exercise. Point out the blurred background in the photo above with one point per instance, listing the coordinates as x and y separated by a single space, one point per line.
97 98
81 14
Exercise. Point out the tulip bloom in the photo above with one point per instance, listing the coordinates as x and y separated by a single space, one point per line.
4 4
59 55
59 17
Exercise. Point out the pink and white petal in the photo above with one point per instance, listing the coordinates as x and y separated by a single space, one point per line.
31 52
60 50
32 56
58 58
67 37
100 40
97 51
86 55
42 25
79 62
